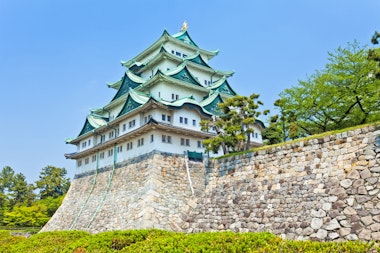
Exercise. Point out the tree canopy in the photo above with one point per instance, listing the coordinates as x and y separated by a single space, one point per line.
345 93
20 205
234 125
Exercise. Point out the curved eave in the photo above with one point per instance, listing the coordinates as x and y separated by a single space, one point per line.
115 85
162 77
223 81
187 102
157 58
209 53
150 125
163 38
260 123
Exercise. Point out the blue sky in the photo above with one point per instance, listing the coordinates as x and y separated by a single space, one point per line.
57 56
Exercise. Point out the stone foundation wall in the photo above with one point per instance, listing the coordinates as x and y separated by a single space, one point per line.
147 192
321 189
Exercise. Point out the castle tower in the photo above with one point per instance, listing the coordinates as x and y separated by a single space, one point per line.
164 93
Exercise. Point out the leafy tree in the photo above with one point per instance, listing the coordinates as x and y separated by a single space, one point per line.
281 126
374 54
6 178
52 182
6 181
345 93
235 124
21 192
27 216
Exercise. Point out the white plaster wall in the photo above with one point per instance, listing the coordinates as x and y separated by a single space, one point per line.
166 90
190 115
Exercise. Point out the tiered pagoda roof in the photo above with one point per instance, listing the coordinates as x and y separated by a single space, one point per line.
133 91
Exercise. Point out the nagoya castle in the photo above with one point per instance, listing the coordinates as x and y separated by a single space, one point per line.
141 164
140 158
163 95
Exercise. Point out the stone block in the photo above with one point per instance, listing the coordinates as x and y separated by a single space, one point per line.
307 231
375 236
346 183
333 235
332 225
365 174
365 234
344 231
367 220
352 237
337 191
318 213
349 211
375 227
353 174
316 223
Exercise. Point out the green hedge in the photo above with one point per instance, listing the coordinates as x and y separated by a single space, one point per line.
164 241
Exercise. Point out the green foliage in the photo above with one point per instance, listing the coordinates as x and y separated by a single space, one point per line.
48 242
52 182
112 241
374 54
235 124
345 93
165 241
35 215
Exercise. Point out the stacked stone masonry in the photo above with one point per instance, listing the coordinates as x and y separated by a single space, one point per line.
324 189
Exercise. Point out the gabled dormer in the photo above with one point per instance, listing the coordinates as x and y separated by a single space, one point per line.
129 81
222 86
135 99
211 103
182 73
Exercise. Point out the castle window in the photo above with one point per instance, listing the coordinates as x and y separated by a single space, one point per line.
163 138
194 122
132 123
79 163
124 127
177 53
185 120
172 51
129 145
168 118
110 152
86 161
93 158
184 55
147 118
169 139
102 138
101 155
89 142
140 142
120 149
163 117
199 144
151 138
180 119
185 142
110 135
